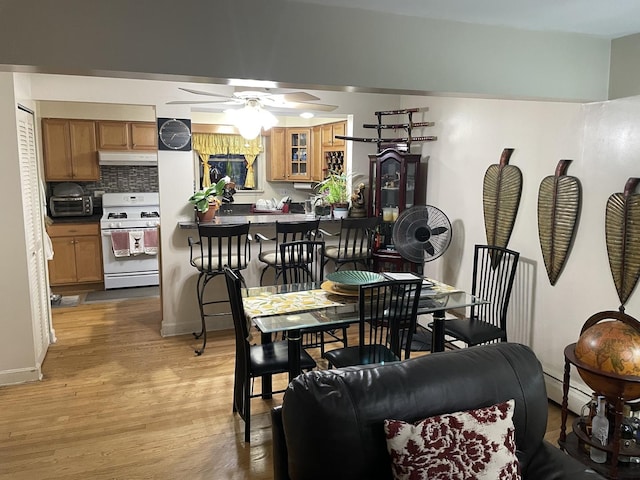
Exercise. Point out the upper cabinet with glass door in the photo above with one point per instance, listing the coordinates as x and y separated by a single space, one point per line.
298 154
396 183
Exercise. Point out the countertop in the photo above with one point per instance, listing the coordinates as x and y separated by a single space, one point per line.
265 219
89 219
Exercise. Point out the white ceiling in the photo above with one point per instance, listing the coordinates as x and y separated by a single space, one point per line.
606 18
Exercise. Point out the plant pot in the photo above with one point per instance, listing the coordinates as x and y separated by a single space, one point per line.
340 210
208 216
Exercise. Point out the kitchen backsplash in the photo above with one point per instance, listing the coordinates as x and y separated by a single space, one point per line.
120 179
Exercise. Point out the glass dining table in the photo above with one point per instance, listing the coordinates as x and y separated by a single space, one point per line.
294 307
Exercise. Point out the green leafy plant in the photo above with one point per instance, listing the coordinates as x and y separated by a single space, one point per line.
333 189
210 195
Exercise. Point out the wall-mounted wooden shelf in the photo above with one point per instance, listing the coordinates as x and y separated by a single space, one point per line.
395 142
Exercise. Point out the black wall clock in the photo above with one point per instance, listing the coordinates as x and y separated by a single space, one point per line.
174 134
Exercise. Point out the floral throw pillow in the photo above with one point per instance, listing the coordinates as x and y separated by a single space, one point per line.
472 445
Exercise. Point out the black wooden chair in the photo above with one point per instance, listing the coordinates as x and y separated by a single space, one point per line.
253 360
494 270
285 232
219 246
354 243
302 262
388 312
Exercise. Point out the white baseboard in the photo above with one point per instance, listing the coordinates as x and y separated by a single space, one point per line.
213 324
22 375
576 398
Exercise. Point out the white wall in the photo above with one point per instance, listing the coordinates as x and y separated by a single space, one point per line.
302 44
602 139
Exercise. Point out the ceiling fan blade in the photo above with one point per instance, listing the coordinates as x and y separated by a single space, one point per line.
191 102
439 230
298 97
321 107
200 92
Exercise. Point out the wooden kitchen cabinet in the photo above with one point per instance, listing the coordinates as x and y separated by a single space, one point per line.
329 131
70 150
116 135
318 168
77 253
298 155
305 154
277 171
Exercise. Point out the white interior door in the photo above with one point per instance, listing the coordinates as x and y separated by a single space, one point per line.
34 233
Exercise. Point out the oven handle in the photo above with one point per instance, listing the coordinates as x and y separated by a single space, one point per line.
107 233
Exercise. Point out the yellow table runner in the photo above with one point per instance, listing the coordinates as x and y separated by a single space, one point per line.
276 304
438 287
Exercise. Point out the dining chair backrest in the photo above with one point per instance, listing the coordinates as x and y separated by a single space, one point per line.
388 316
241 328
494 270
222 245
293 231
355 242
302 261
285 232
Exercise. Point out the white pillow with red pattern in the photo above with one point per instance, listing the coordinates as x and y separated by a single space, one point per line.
473 445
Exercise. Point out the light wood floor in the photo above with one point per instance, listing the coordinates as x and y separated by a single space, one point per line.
120 402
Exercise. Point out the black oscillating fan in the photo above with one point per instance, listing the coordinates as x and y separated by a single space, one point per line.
421 233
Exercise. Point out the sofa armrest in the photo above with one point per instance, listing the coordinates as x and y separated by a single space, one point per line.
551 463
280 455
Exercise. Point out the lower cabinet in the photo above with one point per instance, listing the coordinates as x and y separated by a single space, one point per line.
77 254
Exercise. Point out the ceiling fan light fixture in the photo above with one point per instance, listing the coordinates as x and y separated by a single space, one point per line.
251 119
307 115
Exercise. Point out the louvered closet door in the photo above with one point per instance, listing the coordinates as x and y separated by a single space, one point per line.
34 230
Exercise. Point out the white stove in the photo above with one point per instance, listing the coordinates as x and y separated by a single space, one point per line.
130 210
130 239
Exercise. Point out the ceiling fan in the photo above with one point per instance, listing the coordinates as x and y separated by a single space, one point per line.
262 97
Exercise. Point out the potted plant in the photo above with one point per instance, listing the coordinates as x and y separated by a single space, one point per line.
333 191
207 201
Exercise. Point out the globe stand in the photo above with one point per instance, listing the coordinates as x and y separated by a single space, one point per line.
617 388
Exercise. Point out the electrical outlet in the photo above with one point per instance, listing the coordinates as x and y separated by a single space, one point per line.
98 193
284 191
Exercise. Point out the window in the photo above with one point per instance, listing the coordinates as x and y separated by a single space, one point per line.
231 165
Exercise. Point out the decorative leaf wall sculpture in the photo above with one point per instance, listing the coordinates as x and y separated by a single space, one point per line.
501 197
559 203
622 228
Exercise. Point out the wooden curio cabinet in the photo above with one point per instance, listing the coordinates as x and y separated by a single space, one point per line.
396 180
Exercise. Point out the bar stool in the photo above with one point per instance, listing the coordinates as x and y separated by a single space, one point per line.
220 246
285 232
354 243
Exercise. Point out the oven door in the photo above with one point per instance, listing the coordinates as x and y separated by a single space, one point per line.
127 271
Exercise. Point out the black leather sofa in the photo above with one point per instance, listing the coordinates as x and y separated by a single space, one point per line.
330 424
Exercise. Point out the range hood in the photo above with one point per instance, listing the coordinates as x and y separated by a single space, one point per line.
149 159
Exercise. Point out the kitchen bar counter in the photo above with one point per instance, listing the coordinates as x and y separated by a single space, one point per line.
266 219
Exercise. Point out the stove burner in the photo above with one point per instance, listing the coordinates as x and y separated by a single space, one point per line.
117 215
149 215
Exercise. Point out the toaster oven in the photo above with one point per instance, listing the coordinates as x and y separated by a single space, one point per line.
72 206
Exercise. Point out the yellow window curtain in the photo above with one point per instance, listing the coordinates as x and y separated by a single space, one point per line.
218 144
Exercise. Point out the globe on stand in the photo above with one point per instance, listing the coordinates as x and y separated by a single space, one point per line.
608 355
